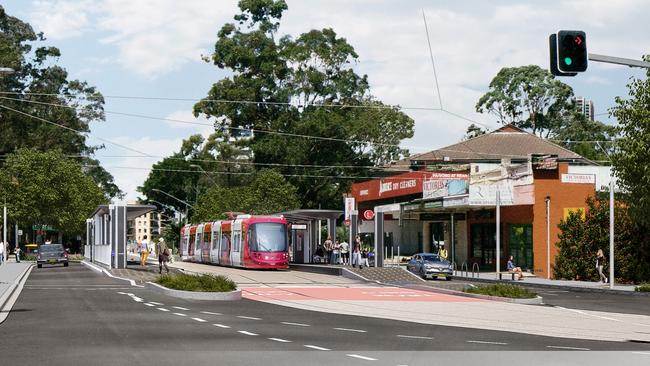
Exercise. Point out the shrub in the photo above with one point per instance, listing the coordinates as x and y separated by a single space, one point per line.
501 290
201 283
643 288
75 257
28 257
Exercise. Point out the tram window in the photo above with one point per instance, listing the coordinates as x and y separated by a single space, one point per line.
208 238
215 241
225 243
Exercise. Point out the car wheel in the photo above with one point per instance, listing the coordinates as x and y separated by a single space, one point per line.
65 264
39 266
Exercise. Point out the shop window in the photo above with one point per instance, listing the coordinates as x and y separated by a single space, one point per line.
520 245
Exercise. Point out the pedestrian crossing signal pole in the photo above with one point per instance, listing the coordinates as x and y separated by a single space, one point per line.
611 233
498 209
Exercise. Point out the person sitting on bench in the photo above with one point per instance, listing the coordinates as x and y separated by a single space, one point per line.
514 269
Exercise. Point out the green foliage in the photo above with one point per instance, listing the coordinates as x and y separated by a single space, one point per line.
46 188
474 131
200 283
37 72
289 85
268 193
631 160
643 288
502 290
580 240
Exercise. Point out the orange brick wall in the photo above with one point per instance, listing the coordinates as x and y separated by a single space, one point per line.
563 195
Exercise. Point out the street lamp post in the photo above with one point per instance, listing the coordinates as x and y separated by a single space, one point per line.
5 71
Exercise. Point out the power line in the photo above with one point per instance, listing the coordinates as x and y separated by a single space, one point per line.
433 64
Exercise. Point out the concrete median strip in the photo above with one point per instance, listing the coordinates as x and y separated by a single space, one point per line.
191 295
10 296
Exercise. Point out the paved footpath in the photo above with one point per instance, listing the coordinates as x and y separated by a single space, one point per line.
11 274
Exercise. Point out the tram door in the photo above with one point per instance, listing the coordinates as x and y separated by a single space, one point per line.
198 245
298 241
214 245
236 252
184 242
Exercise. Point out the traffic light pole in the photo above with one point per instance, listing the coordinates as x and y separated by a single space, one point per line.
619 61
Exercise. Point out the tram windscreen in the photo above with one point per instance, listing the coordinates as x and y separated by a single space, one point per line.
268 237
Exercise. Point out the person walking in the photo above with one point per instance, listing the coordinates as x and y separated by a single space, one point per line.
163 255
328 246
17 252
144 251
2 253
356 256
600 264
345 252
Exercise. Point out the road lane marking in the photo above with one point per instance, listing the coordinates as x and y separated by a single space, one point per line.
210 313
573 348
280 340
156 303
179 314
362 357
414 337
221 326
350 330
317 348
248 317
587 314
121 293
247 333
199 320
180 308
642 353
296 324
163 309
148 304
487 342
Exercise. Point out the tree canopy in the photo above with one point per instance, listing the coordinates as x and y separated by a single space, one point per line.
47 188
287 90
40 88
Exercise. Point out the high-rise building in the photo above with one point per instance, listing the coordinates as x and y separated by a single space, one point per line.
586 107
150 224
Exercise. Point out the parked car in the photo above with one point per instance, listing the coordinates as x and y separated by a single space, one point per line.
429 265
51 254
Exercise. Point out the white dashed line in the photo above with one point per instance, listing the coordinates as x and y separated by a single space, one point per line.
210 313
199 320
221 326
641 353
280 340
247 333
486 342
248 317
156 303
179 314
163 309
587 314
362 357
296 324
414 337
121 293
317 348
180 308
573 348
350 330
148 304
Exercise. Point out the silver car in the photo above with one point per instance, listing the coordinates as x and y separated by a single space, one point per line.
51 254
429 265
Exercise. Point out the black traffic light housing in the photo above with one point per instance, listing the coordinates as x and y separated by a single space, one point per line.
568 53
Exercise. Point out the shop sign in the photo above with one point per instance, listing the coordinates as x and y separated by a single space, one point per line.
544 161
412 207
579 178
456 201
444 184
368 215
512 182
436 204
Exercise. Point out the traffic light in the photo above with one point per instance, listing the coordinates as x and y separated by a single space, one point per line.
568 51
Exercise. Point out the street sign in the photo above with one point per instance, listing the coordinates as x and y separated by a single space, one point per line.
368 214
20 232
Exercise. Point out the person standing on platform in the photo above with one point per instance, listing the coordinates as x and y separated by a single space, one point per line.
144 251
336 252
2 253
345 252
17 252
328 246
356 256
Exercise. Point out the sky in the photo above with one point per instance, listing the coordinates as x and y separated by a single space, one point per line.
154 48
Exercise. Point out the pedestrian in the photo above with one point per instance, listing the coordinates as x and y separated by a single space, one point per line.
336 252
345 252
17 252
364 257
2 253
600 264
356 256
328 246
163 255
144 251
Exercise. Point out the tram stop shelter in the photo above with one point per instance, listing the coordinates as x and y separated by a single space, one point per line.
306 231
106 232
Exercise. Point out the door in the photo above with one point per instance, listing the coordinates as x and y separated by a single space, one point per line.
207 243
184 242
224 248
235 253
484 247
298 245
198 245
216 239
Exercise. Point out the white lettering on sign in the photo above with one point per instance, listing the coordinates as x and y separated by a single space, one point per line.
385 187
579 178
363 192
411 183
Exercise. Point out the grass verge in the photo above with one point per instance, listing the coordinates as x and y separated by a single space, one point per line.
643 288
502 290
202 283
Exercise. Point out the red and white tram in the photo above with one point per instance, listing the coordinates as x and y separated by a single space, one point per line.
246 241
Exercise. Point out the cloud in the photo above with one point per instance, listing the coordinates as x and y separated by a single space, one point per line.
61 19
195 125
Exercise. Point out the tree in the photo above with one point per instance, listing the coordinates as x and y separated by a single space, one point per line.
474 131
581 238
36 89
301 87
45 188
631 161
268 193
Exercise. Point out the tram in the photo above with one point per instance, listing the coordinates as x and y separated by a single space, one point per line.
245 241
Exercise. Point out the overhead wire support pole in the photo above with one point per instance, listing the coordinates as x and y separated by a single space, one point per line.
619 61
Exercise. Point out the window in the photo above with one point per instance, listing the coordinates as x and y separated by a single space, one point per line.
215 241
207 238
225 244
267 237
520 245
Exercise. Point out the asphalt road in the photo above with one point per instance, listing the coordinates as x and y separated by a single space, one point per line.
74 316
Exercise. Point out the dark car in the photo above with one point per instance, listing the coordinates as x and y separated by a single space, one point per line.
429 265
51 254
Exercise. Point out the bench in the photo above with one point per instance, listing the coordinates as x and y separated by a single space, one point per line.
511 274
